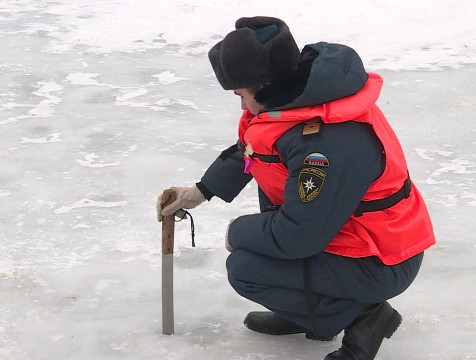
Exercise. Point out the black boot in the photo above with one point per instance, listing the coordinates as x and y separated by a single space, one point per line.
363 337
267 322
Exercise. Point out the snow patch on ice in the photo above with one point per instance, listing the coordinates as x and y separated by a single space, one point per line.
432 154
471 197
46 88
455 166
191 146
90 161
215 275
168 77
187 103
220 147
79 78
130 95
54 137
46 107
35 27
80 226
8 121
104 284
89 203
165 103
10 106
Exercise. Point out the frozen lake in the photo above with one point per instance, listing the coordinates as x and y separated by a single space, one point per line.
102 106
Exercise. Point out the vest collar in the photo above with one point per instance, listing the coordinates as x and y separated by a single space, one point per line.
345 109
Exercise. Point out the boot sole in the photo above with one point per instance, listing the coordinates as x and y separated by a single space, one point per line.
311 336
267 331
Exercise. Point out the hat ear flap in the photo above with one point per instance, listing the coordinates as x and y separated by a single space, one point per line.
214 57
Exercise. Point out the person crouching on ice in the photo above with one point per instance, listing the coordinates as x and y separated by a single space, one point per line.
342 228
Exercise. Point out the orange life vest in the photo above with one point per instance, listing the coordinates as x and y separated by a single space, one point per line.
393 234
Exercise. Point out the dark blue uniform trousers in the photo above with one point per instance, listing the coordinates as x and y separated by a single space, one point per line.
341 286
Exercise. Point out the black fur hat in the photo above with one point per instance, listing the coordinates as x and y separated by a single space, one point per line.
259 50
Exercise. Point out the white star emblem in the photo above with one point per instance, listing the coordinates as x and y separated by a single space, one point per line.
309 185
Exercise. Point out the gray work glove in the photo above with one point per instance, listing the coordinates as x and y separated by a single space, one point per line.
187 198
227 244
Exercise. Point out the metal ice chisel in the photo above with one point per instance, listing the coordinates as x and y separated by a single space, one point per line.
168 223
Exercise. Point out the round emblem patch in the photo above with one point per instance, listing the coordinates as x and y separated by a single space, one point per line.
310 180
316 159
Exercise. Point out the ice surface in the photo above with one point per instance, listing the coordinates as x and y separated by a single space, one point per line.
105 104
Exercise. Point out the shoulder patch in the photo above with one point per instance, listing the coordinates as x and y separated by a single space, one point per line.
274 114
316 159
311 127
310 182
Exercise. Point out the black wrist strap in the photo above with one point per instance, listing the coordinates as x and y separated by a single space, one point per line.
207 194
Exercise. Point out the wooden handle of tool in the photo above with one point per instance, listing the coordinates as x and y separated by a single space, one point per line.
168 224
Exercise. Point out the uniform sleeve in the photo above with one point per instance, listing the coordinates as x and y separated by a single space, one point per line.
309 219
225 178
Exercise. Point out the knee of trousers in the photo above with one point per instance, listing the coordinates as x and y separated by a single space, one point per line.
239 271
